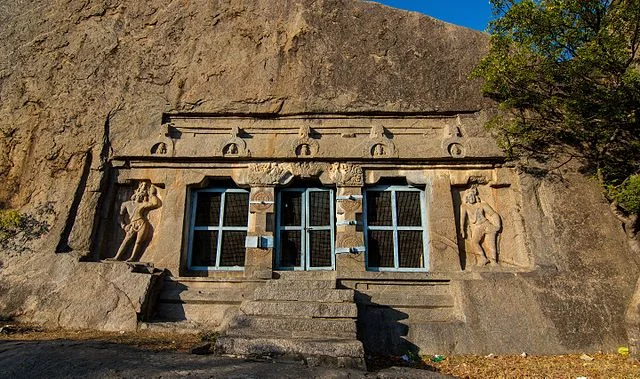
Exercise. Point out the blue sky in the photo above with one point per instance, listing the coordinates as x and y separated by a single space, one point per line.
473 14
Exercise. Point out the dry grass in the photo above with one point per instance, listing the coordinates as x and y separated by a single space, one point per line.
570 366
147 340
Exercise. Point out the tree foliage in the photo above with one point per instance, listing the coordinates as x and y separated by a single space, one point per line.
567 77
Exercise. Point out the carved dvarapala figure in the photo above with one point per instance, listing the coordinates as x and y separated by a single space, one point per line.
143 200
484 224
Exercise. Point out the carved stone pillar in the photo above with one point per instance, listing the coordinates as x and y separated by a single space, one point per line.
443 245
259 258
349 234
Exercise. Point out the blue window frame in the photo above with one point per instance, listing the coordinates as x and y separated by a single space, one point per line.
395 227
218 229
305 229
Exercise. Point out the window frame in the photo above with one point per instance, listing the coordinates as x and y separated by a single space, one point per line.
220 228
395 228
305 257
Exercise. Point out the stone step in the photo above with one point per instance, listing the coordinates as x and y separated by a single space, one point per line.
209 284
291 294
300 284
195 296
342 352
179 327
297 308
399 299
323 326
393 288
305 275
206 314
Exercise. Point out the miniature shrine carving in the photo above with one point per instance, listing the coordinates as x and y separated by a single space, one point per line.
305 146
235 146
380 146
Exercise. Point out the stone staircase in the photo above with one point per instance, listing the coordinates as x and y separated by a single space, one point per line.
394 314
191 304
299 315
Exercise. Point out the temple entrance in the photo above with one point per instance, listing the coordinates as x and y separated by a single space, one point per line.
305 229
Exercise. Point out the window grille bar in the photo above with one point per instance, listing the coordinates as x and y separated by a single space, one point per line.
223 200
394 222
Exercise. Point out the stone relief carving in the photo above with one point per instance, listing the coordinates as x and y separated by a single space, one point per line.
305 146
159 148
135 222
483 223
306 169
379 145
346 240
261 200
345 174
349 205
163 144
456 150
272 173
453 140
267 174
235 146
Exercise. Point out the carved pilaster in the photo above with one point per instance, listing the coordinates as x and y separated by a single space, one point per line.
443 242
258 261
349 233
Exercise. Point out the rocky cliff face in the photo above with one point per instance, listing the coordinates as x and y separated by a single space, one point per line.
77 76
68 69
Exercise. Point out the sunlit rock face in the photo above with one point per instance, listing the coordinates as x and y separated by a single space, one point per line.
100 98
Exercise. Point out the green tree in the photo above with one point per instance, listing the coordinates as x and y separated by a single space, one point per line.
566 76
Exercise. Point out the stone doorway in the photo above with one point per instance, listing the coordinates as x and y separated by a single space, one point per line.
305 229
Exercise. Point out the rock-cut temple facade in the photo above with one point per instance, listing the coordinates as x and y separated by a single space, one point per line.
316 182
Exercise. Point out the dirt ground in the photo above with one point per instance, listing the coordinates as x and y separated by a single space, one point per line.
27 352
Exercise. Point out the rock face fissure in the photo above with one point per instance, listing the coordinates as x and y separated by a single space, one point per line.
308 318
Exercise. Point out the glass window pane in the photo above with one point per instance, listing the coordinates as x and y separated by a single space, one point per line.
380 248
320 248
408 208
204 248
410 249
379 208
208 209
290 208
236 209
233 249
319 208
290 248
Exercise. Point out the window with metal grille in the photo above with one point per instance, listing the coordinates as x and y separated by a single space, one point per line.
218 229
305 229
396 229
